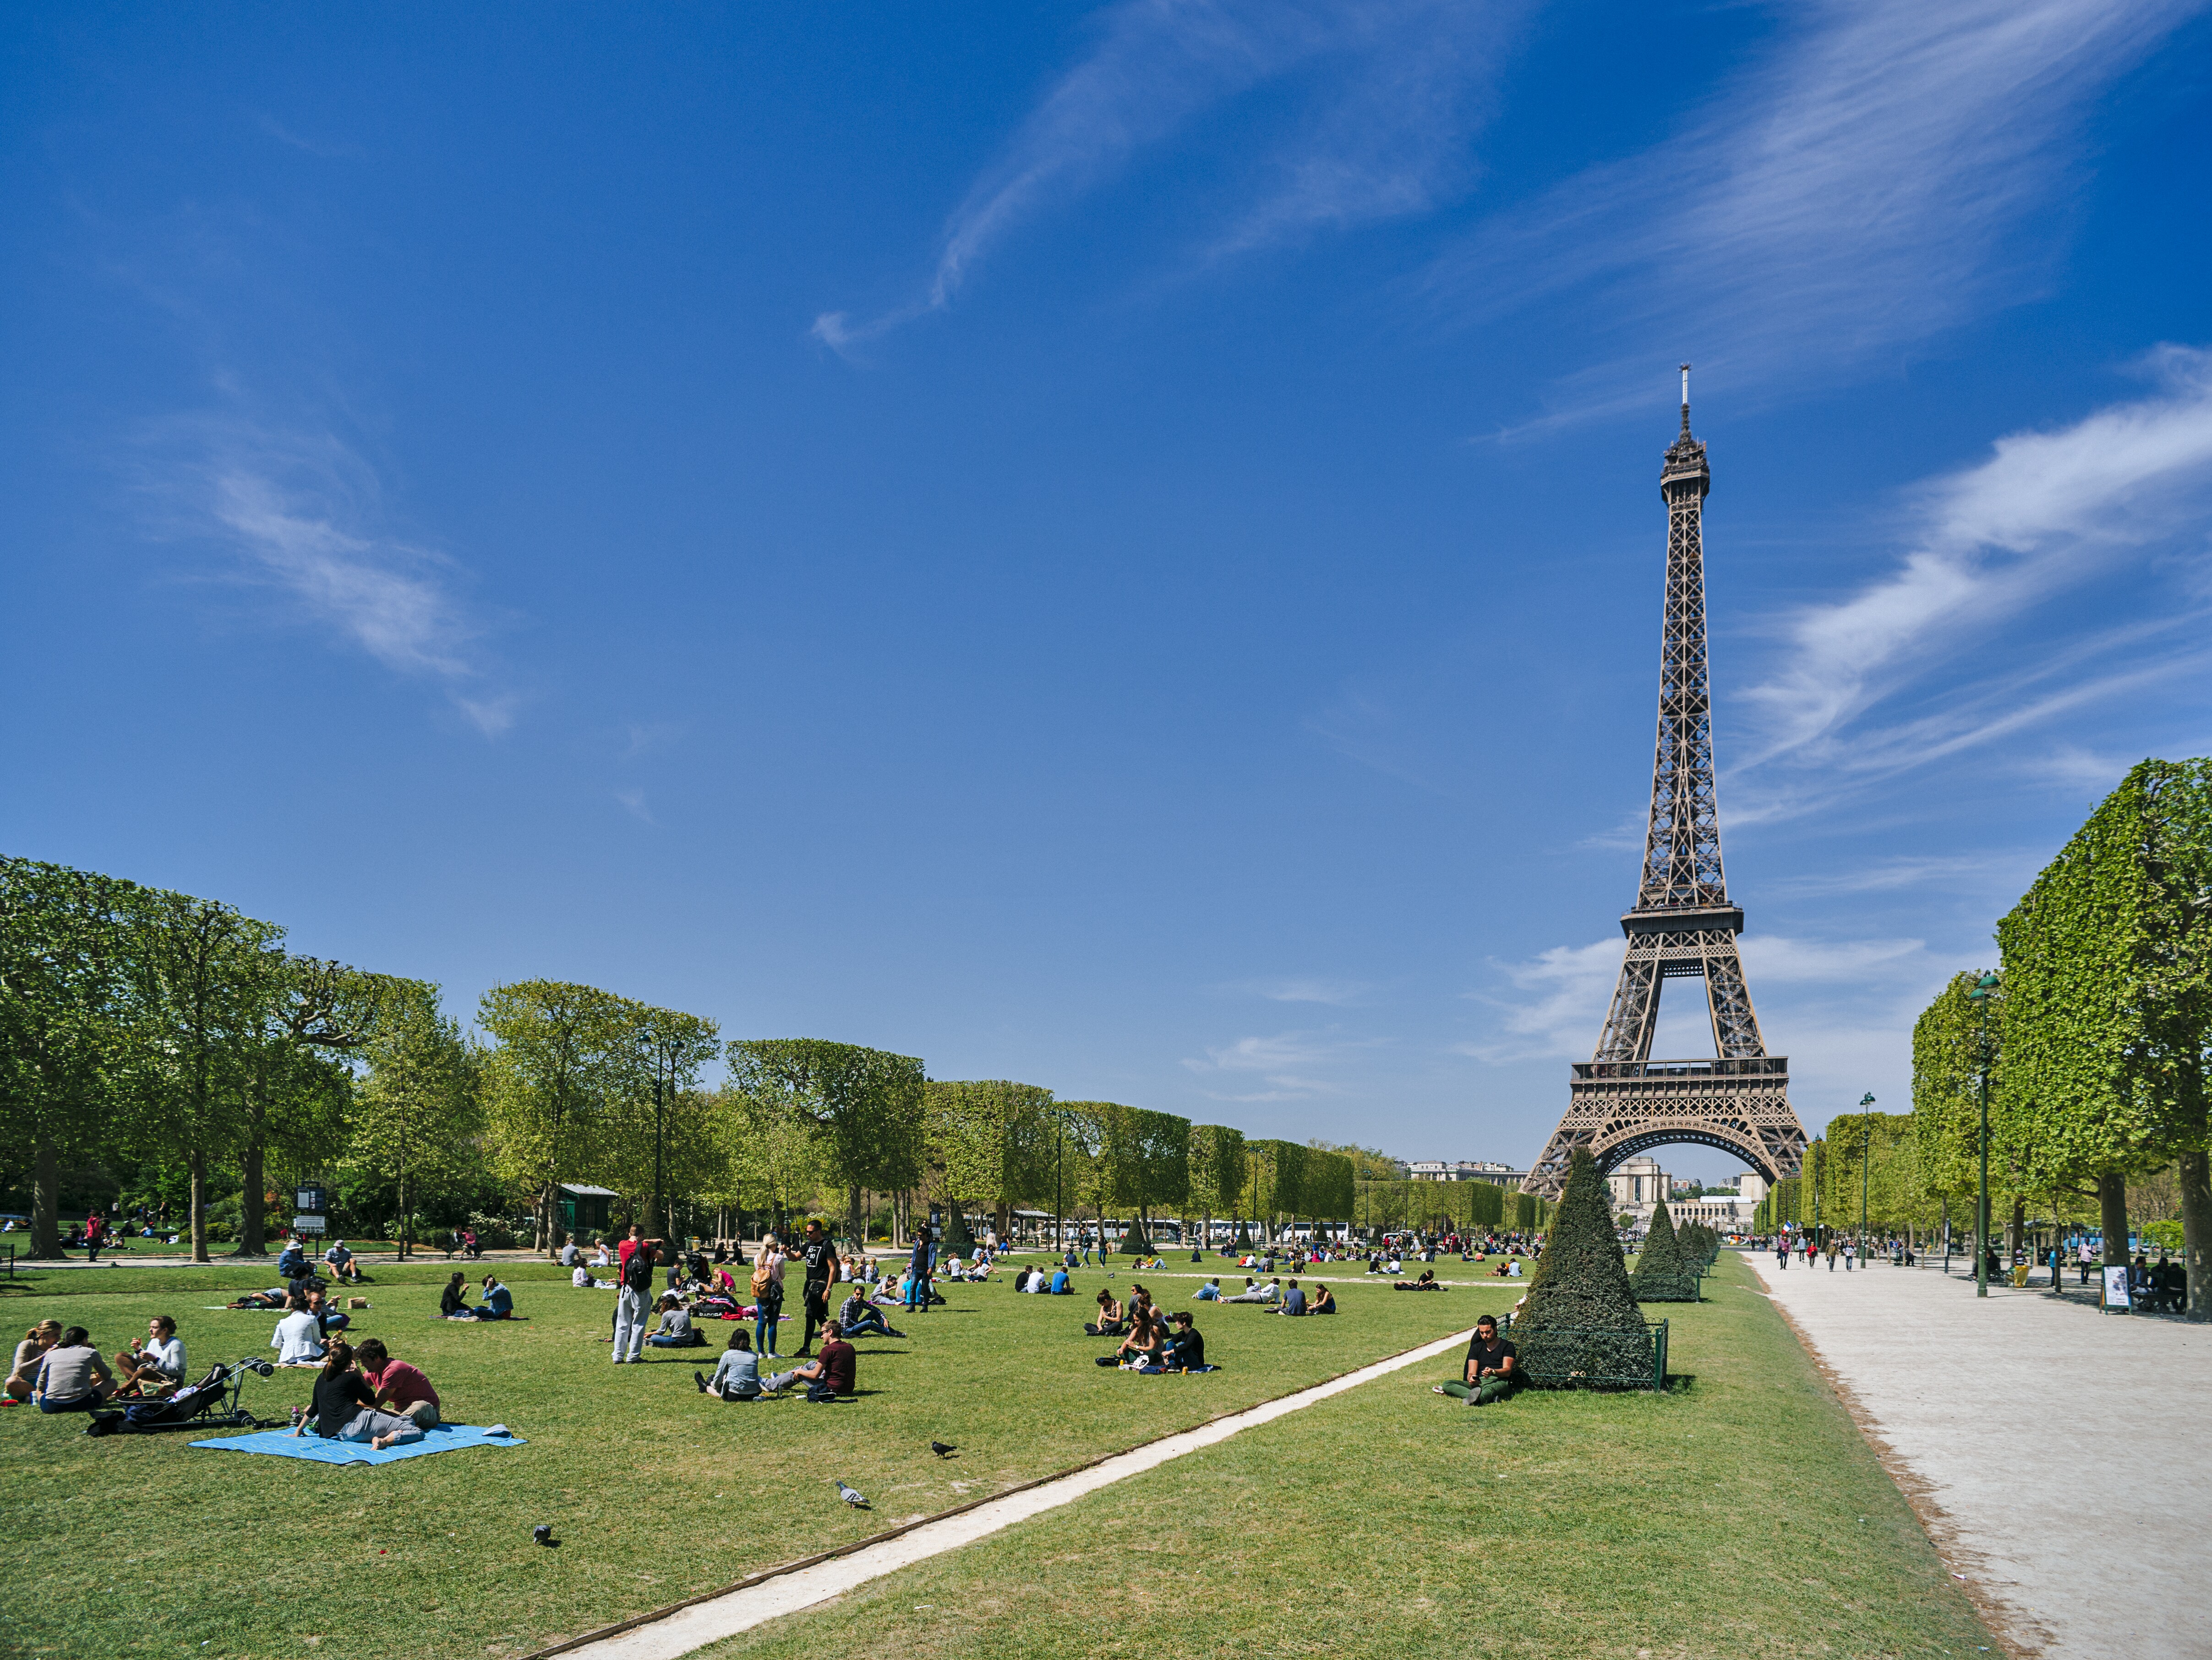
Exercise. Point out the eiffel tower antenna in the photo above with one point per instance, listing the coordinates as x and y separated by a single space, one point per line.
1621 1102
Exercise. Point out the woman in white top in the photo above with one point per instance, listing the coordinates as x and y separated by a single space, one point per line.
298 1340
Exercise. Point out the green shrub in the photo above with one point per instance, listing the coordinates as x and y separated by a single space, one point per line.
1666 1272
1582 1326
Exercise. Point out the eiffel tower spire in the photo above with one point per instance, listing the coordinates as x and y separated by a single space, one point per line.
1621 1102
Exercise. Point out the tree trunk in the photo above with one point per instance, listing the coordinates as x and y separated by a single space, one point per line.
47 1201
2016 1233
855 1227
197 1164
253 1221
2195 1170
2113 1214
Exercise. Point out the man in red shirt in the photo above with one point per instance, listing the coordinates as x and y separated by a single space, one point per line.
827 1375
95 1236
404 1387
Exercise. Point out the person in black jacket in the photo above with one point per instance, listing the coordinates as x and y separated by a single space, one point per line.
818 1251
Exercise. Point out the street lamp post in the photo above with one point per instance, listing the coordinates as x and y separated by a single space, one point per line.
1983 990
1866 1169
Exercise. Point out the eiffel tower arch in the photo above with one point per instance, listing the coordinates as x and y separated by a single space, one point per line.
1620 1102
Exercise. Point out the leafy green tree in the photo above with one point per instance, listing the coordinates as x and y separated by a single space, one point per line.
561 1056
1663 1274
64 1007
1581 1322
988 1145
866 1106
417 1116
775 1158
1218 1160
201 976
658 1139
1143 1161
2108 974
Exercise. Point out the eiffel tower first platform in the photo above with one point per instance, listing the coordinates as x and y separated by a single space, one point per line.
1621 1102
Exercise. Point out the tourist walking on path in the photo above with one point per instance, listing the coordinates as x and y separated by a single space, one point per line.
819 1253
632 1301
1851 1252
1782 1252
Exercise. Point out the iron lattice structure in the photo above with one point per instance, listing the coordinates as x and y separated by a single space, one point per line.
1621 1102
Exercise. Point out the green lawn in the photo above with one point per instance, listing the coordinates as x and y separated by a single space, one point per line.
1742 1515
131 1545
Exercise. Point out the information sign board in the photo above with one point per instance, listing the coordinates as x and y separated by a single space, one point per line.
2116 1288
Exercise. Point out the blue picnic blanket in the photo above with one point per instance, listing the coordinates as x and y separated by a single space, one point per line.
446 1438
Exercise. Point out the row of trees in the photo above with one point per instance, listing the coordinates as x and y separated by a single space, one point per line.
2090 1042
140 1023
1463 1208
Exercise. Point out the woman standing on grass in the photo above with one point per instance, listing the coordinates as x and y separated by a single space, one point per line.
767 1295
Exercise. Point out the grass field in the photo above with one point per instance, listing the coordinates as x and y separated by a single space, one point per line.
142 1545
1741 1515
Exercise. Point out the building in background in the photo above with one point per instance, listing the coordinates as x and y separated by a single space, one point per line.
1465 1169
1637 1184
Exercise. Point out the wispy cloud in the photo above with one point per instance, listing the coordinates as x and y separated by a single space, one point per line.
303 513
1383 95
1337 993
1283 1067
2047 512
634 803
1866 185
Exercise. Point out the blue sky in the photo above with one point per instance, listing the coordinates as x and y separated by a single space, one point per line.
1116 546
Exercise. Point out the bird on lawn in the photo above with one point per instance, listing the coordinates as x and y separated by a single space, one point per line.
941 1449
851 1496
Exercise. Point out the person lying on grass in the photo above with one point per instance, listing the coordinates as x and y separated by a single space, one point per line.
1493 1371
23 1373
345 1407
859 1317
398 1385
71 1375
675 1331
1210 1292
275 1298
157 1362
498 1302
1427 1282
1257 1293
827 1375
737 1374
1109 1322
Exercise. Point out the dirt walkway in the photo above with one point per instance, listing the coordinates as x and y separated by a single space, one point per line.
2062 1457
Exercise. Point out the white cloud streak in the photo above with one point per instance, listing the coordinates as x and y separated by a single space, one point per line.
1867 184
1283 1063
301 510
2046 513
1386 97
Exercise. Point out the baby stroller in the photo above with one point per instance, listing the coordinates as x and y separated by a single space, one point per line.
200 1406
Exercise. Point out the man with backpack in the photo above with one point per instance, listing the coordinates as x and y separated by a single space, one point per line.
633 1300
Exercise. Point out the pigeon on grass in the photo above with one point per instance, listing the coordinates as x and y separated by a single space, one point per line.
941 1449
851 1496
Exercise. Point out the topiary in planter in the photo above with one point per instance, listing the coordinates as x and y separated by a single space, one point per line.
1582 1327
1665 1271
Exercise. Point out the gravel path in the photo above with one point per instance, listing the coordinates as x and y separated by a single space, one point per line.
2062 1457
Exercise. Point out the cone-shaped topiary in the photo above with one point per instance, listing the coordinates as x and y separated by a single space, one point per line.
1666 1272
1582 1325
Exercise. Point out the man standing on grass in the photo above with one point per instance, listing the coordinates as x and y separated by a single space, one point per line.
819 1253
1493 1367
634 1297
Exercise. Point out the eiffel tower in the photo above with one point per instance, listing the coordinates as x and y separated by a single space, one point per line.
1621 1102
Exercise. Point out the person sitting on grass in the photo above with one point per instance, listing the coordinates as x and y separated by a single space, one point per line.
341 1259
737 1374
1059 1286
827 1375
1322 1302
498 1301
453 1301
1294 1301
292 1261
23 1372
402 1387
345 1407
582 1279
298 1338
1210 1292
675 1331
1109 1321
1142 1349
1493 1371
155 1363
1186 1347
859 1317
1427 1282
328 1315
71 1377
